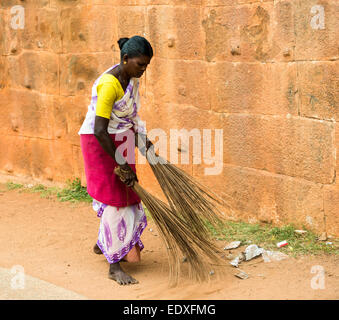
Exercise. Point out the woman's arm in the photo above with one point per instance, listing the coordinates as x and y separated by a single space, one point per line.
103 137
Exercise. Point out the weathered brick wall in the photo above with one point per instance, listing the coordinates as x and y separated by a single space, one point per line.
266 72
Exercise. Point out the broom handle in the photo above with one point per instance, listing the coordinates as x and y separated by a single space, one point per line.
136 186
144 142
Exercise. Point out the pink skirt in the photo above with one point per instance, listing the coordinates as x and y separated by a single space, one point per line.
102 183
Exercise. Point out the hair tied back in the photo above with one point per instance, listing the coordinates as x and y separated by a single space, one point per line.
122 41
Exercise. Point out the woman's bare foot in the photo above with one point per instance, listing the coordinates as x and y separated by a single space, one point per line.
96 249
117 274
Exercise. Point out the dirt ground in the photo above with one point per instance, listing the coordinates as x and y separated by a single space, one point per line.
53 241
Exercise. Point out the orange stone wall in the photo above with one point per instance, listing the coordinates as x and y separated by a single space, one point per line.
266 72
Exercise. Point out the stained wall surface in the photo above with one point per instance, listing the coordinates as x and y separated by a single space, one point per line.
265 72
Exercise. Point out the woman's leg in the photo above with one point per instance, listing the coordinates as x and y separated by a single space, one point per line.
119 226
116 273
96 249
133 255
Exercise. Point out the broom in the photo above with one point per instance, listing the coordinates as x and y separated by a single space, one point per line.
179 236
196 203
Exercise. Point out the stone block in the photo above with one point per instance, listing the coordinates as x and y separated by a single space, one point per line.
184 126
215 3
176 2
179 82
61 153
10 37
258 196
7 4
60 4
118 3
291 146
42 30
250 1
268 88
3 72
316 29
18 156
78 164
318 86
68 115
283 26
33 27
26 114
337 152
2 32
244 33
88 29
130 21
331 207
79 72
176 32
35 71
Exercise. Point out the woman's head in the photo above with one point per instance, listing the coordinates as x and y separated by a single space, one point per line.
135 54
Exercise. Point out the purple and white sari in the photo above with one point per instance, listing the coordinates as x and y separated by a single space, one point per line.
120 229
122 220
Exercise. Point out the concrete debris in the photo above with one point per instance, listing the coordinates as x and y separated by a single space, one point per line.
232 245
241 274
235 262
269 256
252 251
300 231
323 237
230 256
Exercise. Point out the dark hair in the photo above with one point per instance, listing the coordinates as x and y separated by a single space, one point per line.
135 47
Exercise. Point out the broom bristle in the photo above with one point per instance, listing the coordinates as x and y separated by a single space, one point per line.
179 237
195 202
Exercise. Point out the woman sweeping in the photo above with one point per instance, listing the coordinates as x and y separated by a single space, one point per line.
108 137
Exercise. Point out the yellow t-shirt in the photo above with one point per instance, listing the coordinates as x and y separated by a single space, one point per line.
109 91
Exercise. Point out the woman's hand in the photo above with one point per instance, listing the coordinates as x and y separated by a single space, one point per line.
128 176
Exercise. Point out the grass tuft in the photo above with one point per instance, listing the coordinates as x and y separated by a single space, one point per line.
74 192
13 186
267 237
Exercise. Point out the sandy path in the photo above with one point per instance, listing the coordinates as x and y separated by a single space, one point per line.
53 242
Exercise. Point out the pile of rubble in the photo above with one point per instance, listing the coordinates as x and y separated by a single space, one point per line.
252 251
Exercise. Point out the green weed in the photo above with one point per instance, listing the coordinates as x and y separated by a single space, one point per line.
74 192
13 186
267 236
